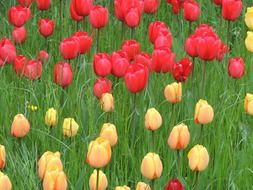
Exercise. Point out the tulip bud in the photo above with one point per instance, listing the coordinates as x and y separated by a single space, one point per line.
55 180
179 137
19 35
191 10
69 48
174 184
101 86
122 188
142 186
107 102
173 92
43 56
198 158
43 4
98 16
102 64
99 153
33 69
73 11
248 104
46 27
203 113
151 6
102 183
153 119
151 166
236 67
51 117
5 183
132 47
70 127
249 18
20 126
249 41
231 9
109 133
63 74
2 156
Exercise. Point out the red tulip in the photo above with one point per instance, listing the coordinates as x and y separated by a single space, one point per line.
222 50
25 3
19 64
231 9
102 64
46 27
132 47
7 51
33 69
236 67
174 184
19 15
101 86
157 29
163 42
182 69
176 5
217 2
144 59
73 12
19 35
83 7
69 48
43 56
120 63
162 60
119 10
85 41
151 6
191 45
133 17
98 16
43 4
63 74
191 10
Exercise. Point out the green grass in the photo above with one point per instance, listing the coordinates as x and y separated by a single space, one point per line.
228 138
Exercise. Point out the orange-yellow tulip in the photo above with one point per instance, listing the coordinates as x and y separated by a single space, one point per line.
153 119
109 133
20 126
173 92
122 188
70 127
55 180
142 186
203 113
2 156
102 181
107 102
248 104
5 183
249 41
198 158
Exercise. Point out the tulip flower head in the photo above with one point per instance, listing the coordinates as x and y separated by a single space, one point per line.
151 6
102 183
122 188
198 158
43 4
20 126
25 3
109 132
153 119
19 15
248 104
236 67
73 12
19 35
131 47
70 127
7 51
142 186
101 86
231 9
249 41
51 117
43 56
174 184
46 27
249 18
203 113
98 16
191 10
33 69
83 7
63 74
5 182
55 180
107 102
173 92
102 64
2 156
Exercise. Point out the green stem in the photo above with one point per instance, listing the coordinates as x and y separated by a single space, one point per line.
228 34
97 182
153 140
195 184
98 35
201 133
178 164
152 185
203 80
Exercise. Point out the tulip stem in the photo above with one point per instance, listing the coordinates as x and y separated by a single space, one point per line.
178 163
203 80
228 34
201 133
132 33
98 35
153 140
195 183
152 185
190 29
97 182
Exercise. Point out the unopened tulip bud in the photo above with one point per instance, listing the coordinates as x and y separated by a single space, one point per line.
70 127
2 156
122 188
142 186
102 181
20 126
173 92
249 41
5 183
174 184
198 158
203 113
248 104
107 102
51 117
109 132
249 18
153 119
55 180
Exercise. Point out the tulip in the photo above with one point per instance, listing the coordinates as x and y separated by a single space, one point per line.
101 86
173 92
43 4
19 15
217 2
191 10
174 184
157 29
2 156
5 183
25 3
144 59
182 70
142 186
63 74
163 42
102 64
120 63
43 56
236 67
231 9
73 13
55 180
132 47
249 41
70 127
190 46
136 77
20 126
153 119
98 16
122 188
83 7
46 27
51 117
19 64
49 161
198 158
19 35
85 42
151 166
102 182
99 153
222 50
33 69
179 137
107 102
151 6
7 50
162 60
109 132
203 113
249 18
133 17
69 48
248 104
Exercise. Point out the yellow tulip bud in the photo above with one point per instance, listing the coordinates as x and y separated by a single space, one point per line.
249 18
102 180
109 133
122 188
248 104
179 137
142 186
153 119
99 153
173 92
5 183
70 127
198 158
203 113
249 41
55 180
49 161
2 156
20 126
107 102
151 166
51 117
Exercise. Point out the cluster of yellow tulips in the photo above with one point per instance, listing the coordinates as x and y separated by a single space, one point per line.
249 23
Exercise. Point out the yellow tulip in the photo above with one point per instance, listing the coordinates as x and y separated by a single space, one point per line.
179 137
203 113
51 117
20 126
142 186
122 188
107 102
70 127
249 18
153 119
173 92
109 133
249 41
5 183
102 181
55 180
198 158
248 104
99 153
49 161
2 156
151 166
